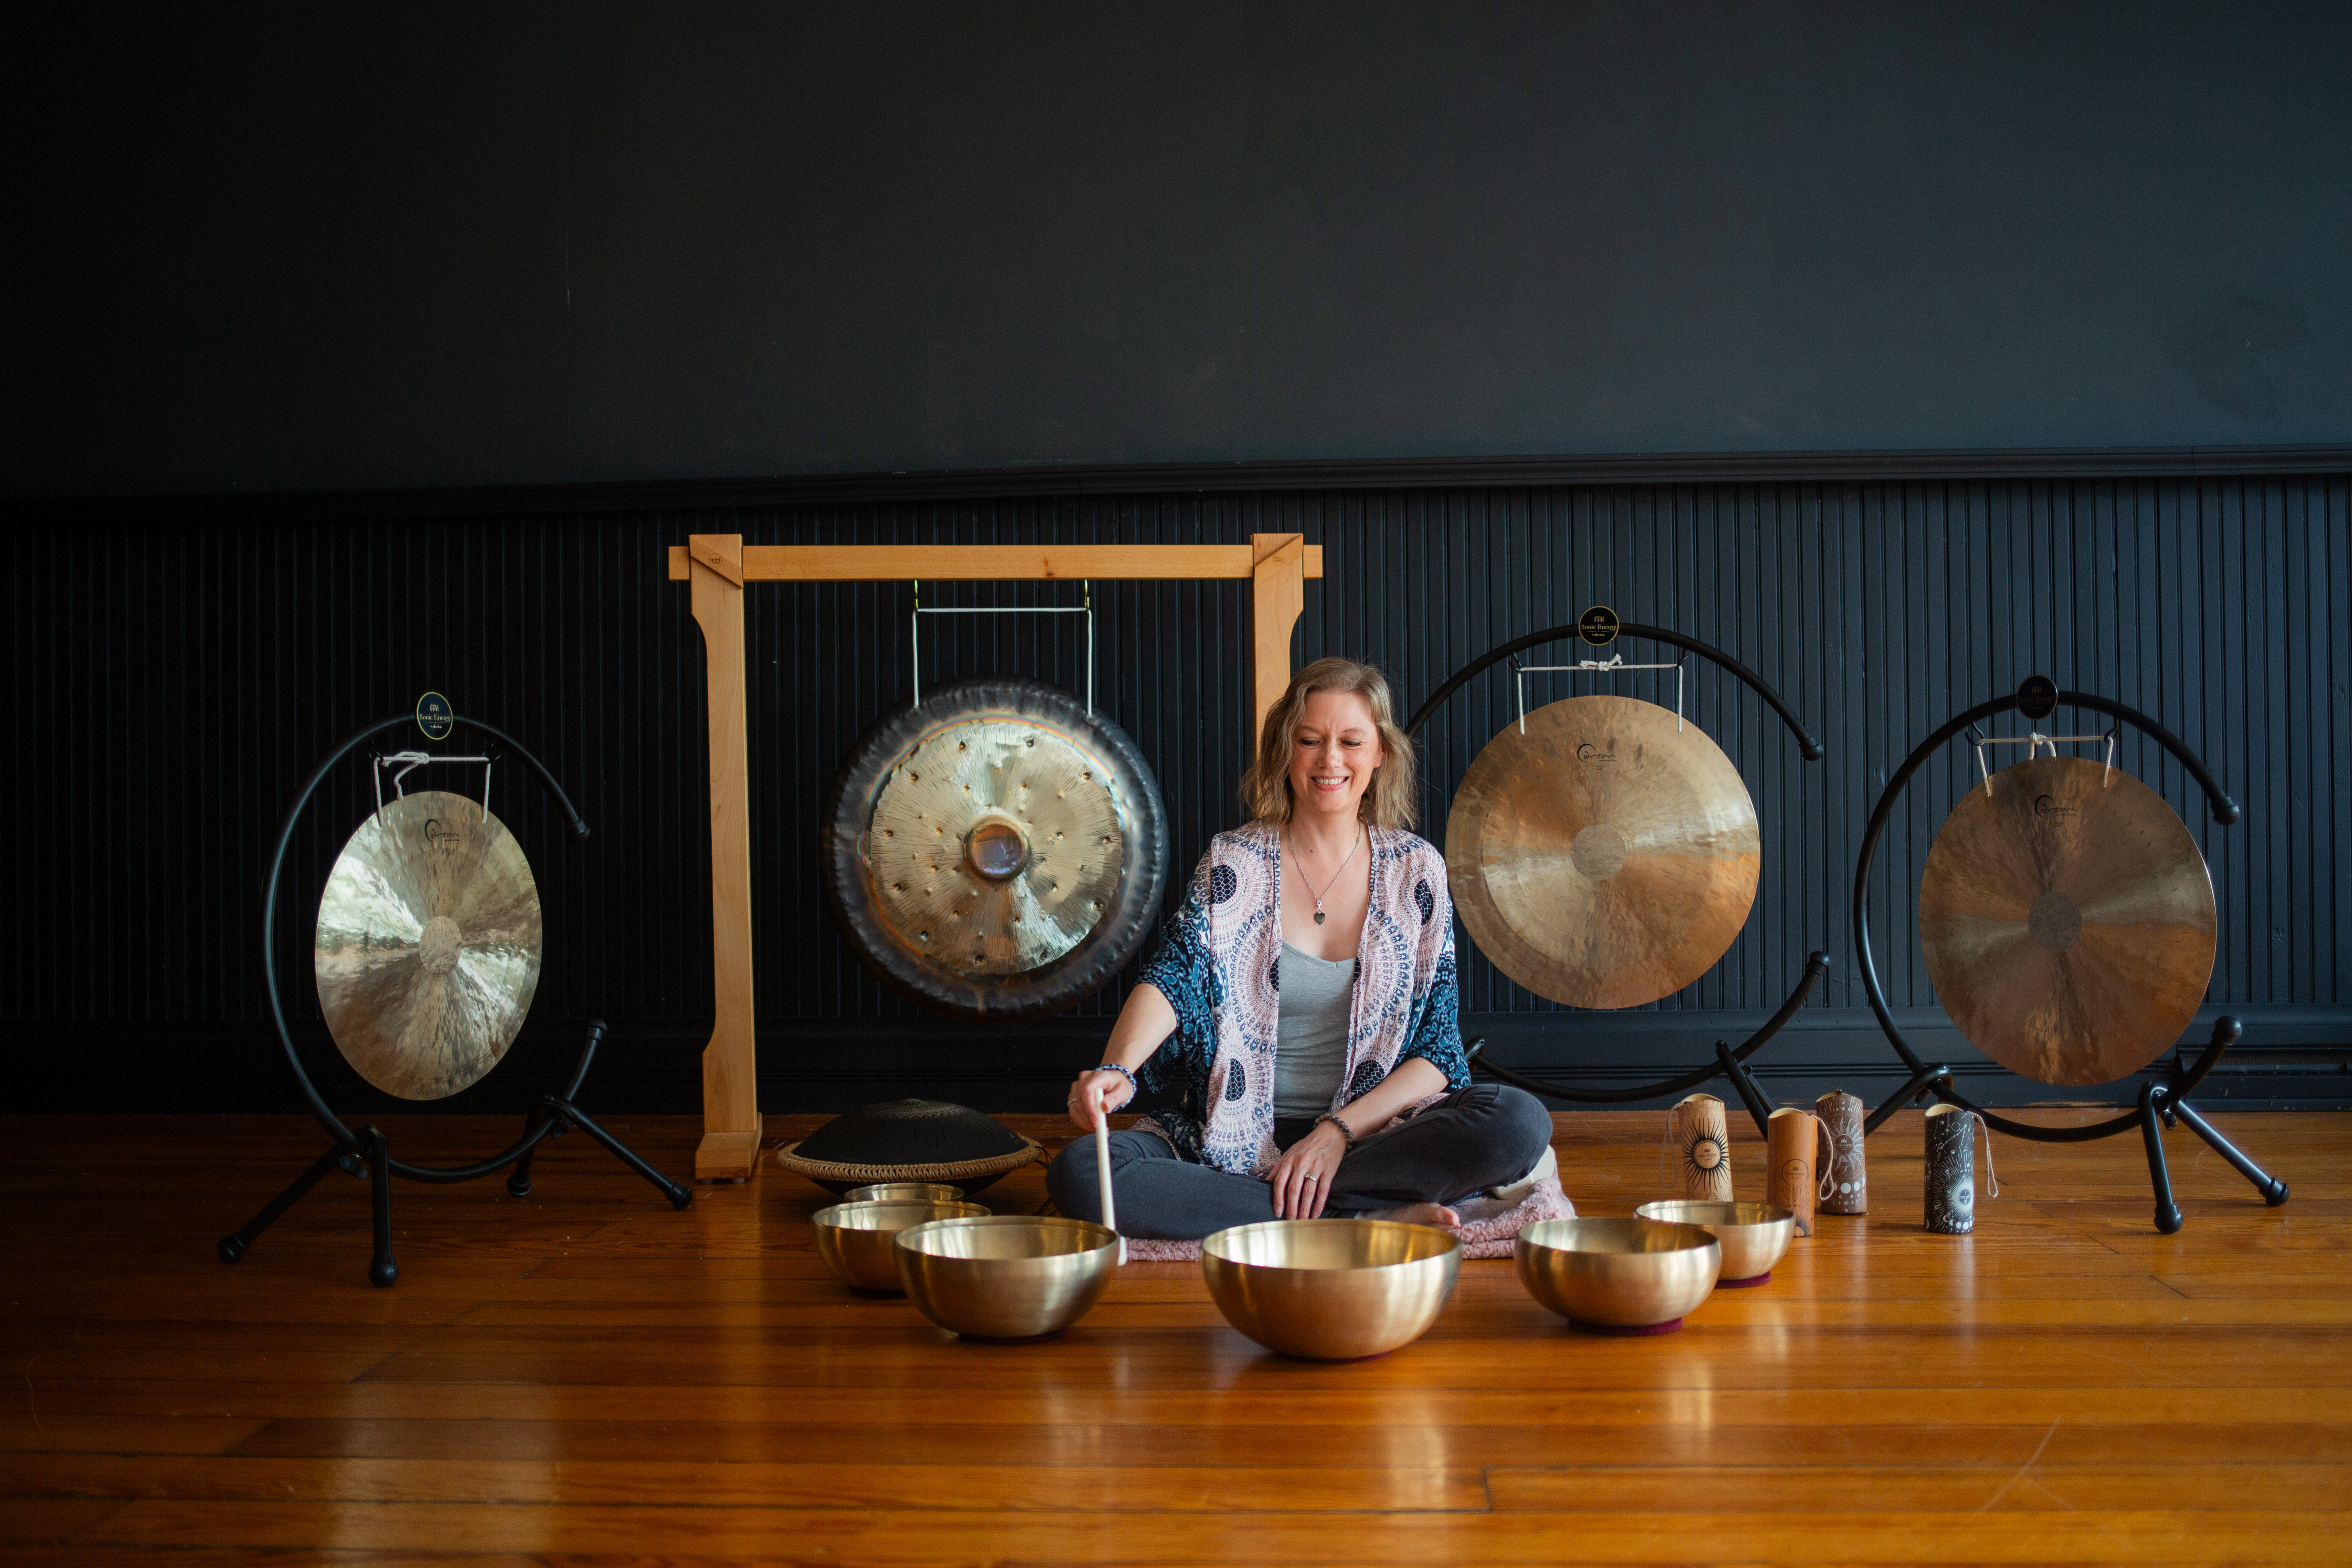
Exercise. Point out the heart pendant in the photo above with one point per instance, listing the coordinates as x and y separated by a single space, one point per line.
1319 917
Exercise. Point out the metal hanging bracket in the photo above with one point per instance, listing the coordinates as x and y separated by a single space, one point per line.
408 762
1613 665
915 621
2033 740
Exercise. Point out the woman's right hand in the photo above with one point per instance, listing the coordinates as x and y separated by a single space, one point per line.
1095 1094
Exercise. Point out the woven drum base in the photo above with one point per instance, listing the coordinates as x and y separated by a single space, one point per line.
971 1175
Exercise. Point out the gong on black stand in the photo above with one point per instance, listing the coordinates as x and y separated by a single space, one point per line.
1604 852
427 955
2068 923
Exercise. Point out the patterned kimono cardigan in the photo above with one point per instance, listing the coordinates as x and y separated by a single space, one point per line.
1218 965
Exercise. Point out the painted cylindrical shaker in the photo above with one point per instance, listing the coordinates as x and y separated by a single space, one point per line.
1703 1138
1788 1151
1839 1156
1951 1171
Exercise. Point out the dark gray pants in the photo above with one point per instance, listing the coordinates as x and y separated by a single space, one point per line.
1474 1139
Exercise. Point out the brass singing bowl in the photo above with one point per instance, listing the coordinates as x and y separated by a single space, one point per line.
1006 1277
1754 1236
905 1193
854 1239
1331 1289
1618 1273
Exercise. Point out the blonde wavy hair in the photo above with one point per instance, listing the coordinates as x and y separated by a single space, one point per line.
1392 800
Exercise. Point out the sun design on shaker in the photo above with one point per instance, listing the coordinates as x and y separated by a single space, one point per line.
1705 1154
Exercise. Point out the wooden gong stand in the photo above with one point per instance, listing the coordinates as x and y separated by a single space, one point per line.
717 567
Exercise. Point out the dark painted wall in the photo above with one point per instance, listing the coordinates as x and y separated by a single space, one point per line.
373 245
178 669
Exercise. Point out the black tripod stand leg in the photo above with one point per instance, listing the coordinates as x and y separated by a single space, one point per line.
1750 1090
519 1184
678 1196
1920 1082
2151 1131
2273 1191
382 1270
232 1247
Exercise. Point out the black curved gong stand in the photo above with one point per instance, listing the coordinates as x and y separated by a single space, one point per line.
1730 1061
362 1152
2163 1102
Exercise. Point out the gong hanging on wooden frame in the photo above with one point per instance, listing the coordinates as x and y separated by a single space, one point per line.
1604 853
997 852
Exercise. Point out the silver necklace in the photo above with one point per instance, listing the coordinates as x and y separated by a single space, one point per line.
1359 844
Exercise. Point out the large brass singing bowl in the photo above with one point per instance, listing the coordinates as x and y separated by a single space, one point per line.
1754 1236
1331 1289
1618 1273
905 1193
854 1239
1006 1277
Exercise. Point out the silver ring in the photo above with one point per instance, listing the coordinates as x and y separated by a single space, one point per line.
1311 1177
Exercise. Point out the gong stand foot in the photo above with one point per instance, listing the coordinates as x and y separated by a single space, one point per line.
2273 1190
563 1111
370 1158
1926 1081
233 1245
382 1270
2151 1131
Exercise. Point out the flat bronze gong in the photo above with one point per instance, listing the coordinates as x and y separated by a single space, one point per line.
997 852
427 948
2067 919
1606 858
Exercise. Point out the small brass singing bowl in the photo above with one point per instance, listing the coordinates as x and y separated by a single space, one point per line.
905 1193
1754 1236
854 1239
1618 1276
1006 1277
1331 1289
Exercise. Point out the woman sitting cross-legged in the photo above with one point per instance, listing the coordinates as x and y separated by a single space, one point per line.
1301 1008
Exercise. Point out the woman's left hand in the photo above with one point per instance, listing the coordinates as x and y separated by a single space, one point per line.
1302 1178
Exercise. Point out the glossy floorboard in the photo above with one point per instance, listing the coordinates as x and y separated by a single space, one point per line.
585 1375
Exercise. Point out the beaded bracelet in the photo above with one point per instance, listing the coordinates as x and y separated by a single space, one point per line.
1133 1088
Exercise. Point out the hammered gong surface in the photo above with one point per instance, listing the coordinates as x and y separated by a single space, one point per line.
1606 858
427 946
2068 920
996 845
998 852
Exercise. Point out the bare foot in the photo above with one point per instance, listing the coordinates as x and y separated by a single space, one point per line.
1420 1214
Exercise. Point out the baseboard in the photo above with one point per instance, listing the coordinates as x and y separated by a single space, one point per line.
2291 1058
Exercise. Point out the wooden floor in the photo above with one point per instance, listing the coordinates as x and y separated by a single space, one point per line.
588 1375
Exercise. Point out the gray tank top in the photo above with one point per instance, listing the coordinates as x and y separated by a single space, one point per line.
1311 1048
